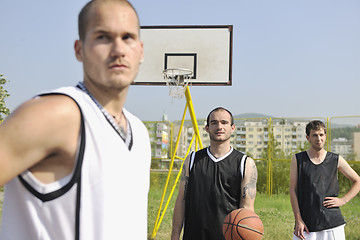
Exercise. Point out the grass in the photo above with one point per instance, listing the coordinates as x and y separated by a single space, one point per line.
275 212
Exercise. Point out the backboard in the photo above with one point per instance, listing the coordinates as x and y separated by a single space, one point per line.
205 50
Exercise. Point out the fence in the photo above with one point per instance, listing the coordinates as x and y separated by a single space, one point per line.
271 142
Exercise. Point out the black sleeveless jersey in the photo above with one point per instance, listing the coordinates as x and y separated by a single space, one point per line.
214 190
315 182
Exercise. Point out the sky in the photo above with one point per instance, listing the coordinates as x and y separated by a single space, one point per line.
291 58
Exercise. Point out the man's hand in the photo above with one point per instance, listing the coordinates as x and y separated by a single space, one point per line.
299 229
331 202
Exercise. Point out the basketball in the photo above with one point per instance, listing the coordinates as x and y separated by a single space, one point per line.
243 224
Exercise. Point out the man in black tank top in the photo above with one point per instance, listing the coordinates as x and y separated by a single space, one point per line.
314 188
215 181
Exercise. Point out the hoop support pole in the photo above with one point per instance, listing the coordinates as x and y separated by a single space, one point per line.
196 137
157 222
192 115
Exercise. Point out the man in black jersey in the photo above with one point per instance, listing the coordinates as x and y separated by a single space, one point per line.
215 181
314 188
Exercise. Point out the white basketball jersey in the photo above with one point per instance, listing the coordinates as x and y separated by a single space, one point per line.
104 198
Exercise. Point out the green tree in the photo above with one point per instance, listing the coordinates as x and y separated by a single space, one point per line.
302 147
351 157
4 111
344 132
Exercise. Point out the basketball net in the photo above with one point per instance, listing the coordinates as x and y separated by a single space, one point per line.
177 79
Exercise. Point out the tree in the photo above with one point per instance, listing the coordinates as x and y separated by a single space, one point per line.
4 111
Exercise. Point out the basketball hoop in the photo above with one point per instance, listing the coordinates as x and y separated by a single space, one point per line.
177 79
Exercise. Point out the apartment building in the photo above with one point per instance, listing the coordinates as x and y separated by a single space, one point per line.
342 146
356 145
288 136
250 136
159 133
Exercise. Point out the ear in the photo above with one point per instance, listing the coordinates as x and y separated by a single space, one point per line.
233 127
78 50
207 128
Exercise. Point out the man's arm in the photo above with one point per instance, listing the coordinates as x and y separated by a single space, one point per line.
41 135
248 185
179 209
299 223
350 174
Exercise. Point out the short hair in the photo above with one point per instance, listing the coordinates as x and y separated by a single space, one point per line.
219 109
315 125
83 15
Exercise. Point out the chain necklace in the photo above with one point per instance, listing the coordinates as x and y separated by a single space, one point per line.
125 135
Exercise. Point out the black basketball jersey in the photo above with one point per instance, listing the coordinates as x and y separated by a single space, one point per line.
214 190
315 182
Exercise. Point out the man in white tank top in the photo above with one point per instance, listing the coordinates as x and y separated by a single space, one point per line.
74 162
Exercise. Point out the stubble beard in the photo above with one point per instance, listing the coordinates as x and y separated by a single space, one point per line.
218 140
317 147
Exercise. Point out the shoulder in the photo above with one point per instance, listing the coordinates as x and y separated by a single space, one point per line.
300 154
341 162
200 153
134 121
240 157
49 108
237 152
333 155
299 157
250 162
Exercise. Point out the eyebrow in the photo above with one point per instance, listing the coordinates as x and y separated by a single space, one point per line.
223 120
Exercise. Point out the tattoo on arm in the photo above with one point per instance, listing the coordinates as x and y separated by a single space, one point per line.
250 187
184 179
186 185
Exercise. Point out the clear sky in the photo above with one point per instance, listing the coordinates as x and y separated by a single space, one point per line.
291 58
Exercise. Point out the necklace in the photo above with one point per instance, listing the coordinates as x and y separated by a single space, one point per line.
118 123
125 135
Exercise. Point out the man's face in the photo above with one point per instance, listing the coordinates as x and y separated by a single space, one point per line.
317 139
220 128
111 50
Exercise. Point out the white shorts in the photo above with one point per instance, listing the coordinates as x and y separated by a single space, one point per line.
337 233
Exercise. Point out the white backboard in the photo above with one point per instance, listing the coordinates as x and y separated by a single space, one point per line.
205 50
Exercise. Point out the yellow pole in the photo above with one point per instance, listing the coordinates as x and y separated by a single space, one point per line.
190 106
173 188
168 177
192 114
